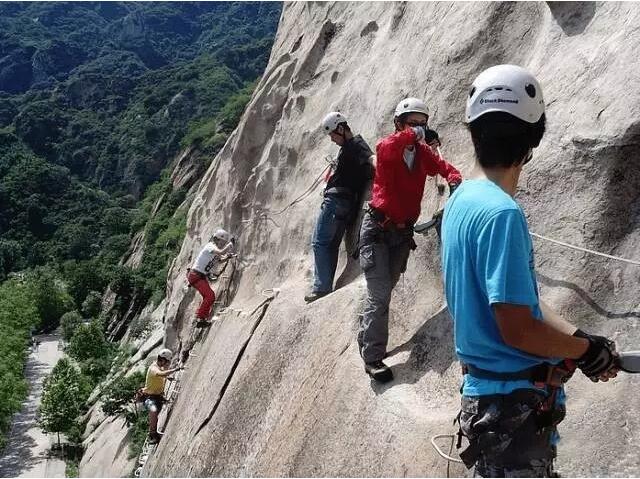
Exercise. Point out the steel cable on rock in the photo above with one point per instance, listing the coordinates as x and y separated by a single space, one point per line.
585 250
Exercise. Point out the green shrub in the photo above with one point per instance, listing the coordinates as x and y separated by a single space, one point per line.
92 304
69 323
139 431
72 468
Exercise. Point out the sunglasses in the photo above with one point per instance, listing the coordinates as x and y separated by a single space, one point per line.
416 123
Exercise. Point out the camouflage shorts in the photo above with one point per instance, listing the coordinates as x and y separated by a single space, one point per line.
505 435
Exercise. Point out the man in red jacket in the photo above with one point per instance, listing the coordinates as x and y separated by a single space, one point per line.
404 160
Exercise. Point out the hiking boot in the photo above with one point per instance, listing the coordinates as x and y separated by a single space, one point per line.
154 437
204 323
311 297
379 371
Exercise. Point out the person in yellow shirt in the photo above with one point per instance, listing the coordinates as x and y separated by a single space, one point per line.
154 390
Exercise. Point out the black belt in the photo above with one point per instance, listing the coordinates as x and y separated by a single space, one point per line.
542 374
339 192
537 373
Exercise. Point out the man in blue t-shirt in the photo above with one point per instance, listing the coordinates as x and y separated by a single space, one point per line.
516 352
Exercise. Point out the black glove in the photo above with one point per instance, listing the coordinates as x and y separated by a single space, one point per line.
599 357
453 187
431 136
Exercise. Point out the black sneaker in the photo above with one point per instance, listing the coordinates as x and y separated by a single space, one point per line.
311 297
379 371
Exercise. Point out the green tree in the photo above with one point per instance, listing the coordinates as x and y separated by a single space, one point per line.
49 296
69 323
18 315
83 277
64 394
119 396
89 342
91 349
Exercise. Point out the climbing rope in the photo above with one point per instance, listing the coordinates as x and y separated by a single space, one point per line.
442 454
266 215
306 192
585 250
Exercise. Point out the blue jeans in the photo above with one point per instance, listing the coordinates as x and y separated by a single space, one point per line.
330 227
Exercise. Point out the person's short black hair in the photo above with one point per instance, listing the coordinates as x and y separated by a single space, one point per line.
345 125
502 140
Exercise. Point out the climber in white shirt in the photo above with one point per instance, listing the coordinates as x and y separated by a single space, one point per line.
221 243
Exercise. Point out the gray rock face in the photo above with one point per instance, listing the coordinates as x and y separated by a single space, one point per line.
277 387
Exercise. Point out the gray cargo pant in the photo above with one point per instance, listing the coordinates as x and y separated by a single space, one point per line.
383 258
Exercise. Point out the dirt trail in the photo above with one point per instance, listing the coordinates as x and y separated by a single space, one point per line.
27 451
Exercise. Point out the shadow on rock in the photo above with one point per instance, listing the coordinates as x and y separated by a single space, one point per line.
619 214
573 17
431 349
554 283
350 272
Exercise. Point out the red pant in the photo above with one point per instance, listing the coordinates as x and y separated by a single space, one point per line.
200 282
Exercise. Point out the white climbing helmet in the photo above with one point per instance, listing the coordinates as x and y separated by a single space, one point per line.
332 120
165 354
411 105
505 88
222 235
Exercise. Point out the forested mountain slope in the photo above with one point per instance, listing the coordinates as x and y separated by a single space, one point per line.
99 101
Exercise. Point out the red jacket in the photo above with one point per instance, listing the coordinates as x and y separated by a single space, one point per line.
397 191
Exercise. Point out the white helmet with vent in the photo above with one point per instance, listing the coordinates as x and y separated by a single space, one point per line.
222 235
332 120
165 354
411 105
508 89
